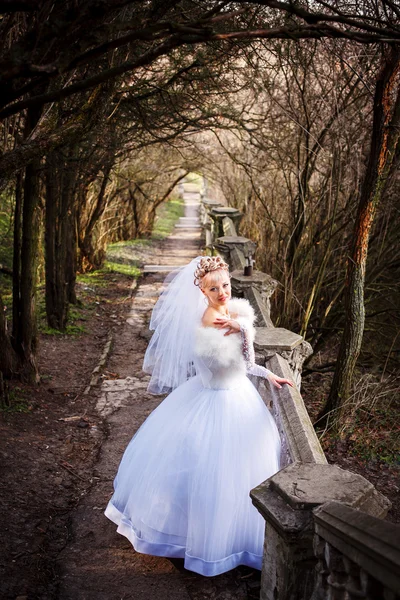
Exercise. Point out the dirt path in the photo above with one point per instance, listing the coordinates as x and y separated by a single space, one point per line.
97 563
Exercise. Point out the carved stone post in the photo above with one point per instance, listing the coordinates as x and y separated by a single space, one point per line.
291 346
206 206
233 249
286 501
257 288
218 215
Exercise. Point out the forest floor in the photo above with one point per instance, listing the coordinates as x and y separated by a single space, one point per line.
59 449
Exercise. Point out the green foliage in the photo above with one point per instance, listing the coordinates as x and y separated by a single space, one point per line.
130 243
113 267
127 253
17 403
194 178
167 216
6 294
98 279
6 236
6 246
71 329
76 313
92 279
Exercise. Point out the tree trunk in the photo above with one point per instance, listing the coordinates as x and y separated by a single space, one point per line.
17 254
385 136
71 263
55 244
25 325
8 357
61 175
92 257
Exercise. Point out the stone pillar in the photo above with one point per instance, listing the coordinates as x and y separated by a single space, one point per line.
286 501
206 206
257 288
234 249
291 346
218 215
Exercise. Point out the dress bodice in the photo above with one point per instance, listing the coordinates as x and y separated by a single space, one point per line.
219 359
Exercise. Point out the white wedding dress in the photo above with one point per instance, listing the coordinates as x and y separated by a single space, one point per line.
182 488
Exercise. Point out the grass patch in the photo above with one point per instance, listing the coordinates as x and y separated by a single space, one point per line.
92 279
123 269
98 279
128 253
17 403
141 242
71 329
167 216
91 284
76 313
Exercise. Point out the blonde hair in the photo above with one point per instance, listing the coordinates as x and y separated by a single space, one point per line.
208 264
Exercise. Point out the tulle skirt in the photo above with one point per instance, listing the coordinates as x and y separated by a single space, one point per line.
182 488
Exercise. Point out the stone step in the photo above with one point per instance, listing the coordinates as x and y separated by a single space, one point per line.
191 187
161 268
191 198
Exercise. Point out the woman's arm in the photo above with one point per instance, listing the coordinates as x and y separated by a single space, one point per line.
252 368
230 325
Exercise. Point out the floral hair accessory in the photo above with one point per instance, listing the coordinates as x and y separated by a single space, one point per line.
208 264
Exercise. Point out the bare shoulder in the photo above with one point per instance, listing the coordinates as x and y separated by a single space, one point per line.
209 316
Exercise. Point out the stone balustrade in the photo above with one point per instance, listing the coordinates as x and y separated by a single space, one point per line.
358 556
307 556
207 223
270 343
286 501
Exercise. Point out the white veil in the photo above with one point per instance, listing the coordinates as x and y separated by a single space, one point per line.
170 353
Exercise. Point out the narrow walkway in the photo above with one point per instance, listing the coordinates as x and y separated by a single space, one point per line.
99 564
184 244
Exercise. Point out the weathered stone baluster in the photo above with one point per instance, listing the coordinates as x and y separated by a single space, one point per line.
369 548
337 574
206 206
218 215
286 501
321 570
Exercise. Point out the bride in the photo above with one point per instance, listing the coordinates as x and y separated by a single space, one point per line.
182 488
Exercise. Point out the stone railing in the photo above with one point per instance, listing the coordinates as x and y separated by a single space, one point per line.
280 350
294 567
358 555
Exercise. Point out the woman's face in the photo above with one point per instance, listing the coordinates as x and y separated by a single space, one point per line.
216 286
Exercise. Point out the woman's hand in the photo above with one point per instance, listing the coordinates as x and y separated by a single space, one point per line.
225 323
276 381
